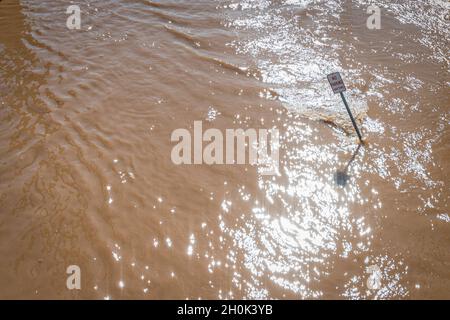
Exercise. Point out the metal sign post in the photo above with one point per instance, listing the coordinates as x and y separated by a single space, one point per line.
338 86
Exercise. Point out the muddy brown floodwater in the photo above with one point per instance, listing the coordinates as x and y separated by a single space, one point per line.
86 176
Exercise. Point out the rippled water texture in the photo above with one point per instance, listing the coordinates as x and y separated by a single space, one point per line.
86 176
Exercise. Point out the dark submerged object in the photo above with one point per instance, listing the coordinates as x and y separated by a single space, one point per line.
341 177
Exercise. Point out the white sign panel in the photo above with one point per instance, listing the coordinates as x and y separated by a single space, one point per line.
336 82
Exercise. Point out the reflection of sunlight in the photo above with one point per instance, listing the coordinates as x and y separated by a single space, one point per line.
300 63
315 214
305 226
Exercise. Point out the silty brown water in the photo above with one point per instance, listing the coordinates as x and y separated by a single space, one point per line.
86 176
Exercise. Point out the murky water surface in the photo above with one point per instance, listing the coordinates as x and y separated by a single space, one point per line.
86 176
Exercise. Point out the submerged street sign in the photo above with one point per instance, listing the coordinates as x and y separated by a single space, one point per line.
338 86
336 82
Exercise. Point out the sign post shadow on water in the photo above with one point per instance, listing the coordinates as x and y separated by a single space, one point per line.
338 86
341 176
